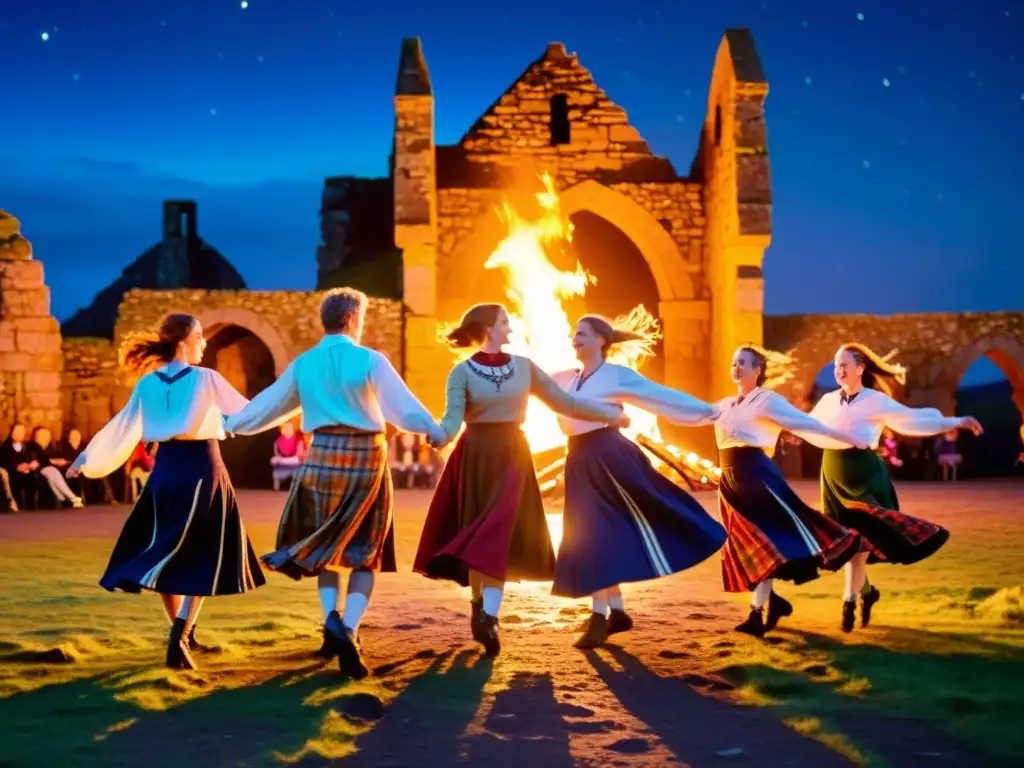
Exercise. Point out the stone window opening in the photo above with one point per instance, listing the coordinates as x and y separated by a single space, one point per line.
561 132
718 125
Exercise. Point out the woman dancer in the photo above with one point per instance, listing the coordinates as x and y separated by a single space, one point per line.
184 538
772 533
486 522
623 521
856 490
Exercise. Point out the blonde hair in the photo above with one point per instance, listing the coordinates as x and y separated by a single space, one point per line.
140 351
776 367
879 372
629 339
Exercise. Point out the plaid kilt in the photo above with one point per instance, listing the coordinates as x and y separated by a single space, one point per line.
772 533
339 511
856 492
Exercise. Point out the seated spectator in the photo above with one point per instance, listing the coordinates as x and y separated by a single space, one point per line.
22 469
42 440
63 454
289 453
139 467
889 449
948 455
7 502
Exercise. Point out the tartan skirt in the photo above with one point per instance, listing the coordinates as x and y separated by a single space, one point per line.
487 514
773 534
184 535
623 520
856 492
339 510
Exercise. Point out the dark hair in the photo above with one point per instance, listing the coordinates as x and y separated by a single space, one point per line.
341 309
878 373
140 350
474 325
602 327
760 361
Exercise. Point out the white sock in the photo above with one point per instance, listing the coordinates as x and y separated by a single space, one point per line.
615 599
856 572
761 594
360 587
600 602
492 599
327 585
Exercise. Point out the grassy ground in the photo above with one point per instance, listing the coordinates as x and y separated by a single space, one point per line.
941 675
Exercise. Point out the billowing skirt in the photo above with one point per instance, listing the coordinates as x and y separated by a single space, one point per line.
623 520
857 493
339 511
772 533
184 536
487 514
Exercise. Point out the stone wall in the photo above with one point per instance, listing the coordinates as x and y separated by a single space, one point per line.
91 389
602 143
287 322
937 348
30 341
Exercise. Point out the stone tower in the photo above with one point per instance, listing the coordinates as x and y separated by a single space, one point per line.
732 164
413 170
181 236
31 361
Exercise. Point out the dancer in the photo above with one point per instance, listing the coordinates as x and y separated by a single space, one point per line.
486 522
856 490
184 538
339 511
772 533
623 521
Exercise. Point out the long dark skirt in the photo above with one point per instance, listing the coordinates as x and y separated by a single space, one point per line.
339 512
184 536
857 493
772 533
623 520
487 514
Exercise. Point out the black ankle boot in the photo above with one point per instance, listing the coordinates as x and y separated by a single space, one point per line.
867 602
195 645
485 632
754 625
594 633
619 621
178 656
849 615
778 608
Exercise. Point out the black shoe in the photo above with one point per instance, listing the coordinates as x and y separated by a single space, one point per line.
594 633
619 621
778 608
350 657
849 615
754 625
329 647
485 632
178 656
195 645
477 608
867 603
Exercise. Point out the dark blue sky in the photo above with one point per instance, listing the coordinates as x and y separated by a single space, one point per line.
894 127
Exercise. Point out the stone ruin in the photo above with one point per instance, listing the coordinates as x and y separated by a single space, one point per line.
31 360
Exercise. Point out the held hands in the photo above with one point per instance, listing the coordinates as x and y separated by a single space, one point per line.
438 438
971 423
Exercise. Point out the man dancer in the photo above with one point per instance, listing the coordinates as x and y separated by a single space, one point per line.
338 513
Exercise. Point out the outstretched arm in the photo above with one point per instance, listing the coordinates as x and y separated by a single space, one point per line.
397 402
272 407
671 404
113 444
919 422
560 401
779 411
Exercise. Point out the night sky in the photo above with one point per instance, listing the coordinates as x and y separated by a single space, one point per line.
894 127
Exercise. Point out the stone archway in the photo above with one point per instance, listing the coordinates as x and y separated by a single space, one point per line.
215 320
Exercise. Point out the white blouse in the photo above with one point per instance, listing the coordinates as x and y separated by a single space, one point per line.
176 401
758 418
871 411
619 385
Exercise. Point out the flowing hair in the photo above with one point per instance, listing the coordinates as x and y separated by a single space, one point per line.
879 372
474 325
776 367
140 352
629 339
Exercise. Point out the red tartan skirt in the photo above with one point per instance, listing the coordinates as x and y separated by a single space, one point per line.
487 514
773 534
